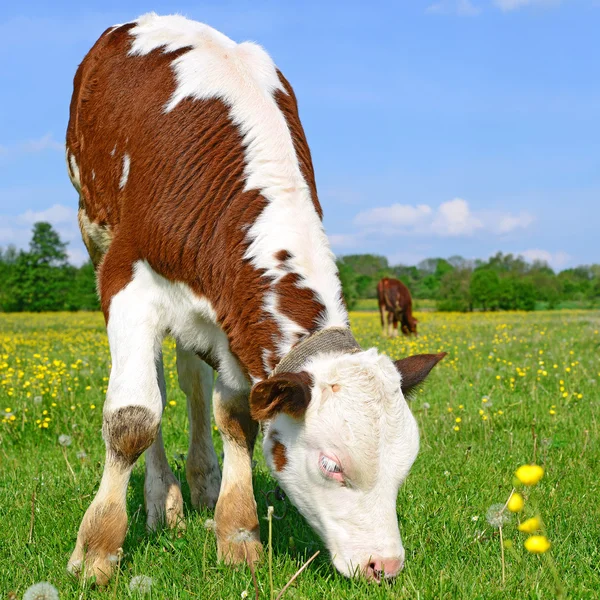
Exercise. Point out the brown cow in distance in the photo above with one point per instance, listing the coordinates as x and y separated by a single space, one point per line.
395 303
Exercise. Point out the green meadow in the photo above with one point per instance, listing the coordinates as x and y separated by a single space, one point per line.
515 388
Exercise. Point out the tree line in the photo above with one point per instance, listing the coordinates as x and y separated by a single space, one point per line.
504 282
41 279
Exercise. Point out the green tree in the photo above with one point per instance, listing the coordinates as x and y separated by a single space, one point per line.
455 292
348 279
41 278
484 288
82 292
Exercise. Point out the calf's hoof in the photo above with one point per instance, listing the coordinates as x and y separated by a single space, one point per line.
165 506
241 547
96 568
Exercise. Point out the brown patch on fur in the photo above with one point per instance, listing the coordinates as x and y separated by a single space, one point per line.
395 300
237 425
299 303
283 256
289 107
415 369
286 392
128 432
279 457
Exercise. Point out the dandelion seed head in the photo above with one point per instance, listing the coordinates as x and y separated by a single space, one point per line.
210 524
37 399
64 440
426 405
241 536
141 584
496 515
41 591
81 455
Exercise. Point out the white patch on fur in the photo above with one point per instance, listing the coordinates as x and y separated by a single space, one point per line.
141 314
244 77
73 170
125 174
367 425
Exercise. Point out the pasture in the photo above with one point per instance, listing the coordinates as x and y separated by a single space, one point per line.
515 388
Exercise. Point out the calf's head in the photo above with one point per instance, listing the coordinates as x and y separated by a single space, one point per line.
340 440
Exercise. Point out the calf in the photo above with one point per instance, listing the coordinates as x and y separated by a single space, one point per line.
199 209
395 304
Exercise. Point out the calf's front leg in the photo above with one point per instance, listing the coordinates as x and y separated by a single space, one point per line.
237 529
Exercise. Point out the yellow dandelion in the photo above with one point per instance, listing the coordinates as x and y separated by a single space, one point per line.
516 503
172 403
456 428
530 525
552 411
537 544
458 419
529 474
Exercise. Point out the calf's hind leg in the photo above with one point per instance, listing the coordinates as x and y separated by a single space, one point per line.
237 529
132 414
162 492
202 467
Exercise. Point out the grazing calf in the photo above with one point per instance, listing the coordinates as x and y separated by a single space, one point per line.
199 209
395 306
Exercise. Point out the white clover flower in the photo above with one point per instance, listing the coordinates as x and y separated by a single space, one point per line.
64 440
41 591
496 515
141 584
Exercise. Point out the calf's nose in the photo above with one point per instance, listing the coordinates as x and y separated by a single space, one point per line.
380 568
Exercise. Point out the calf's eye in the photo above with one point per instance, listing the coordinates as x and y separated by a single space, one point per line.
329 466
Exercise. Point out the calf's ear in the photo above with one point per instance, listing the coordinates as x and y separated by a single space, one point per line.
415 369
284 393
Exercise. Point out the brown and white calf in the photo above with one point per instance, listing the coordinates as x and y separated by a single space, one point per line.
199 209
395 306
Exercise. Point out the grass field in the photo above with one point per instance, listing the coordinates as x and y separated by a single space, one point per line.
515 388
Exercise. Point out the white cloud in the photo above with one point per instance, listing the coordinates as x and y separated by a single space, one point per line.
58 213
557 260
463 8
507 223
16 230
508 5
453 218
343 240
46 142
396 215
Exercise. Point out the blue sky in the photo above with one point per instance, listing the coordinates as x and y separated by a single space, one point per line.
437 127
